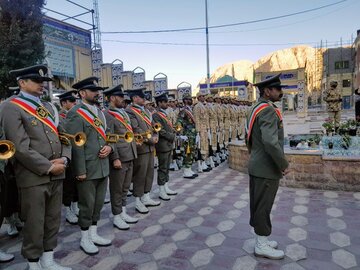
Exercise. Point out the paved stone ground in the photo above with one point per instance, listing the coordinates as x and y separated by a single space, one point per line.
206 227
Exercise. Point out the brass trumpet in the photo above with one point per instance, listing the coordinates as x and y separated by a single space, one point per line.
141 137
114 138
178 127
7 149
78 138
156 127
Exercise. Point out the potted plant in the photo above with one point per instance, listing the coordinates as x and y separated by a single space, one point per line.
346 141
352 127
330 145
328 125
344 128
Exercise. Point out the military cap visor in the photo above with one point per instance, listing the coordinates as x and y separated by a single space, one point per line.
161 97
137 92
114 91
90 83
36 73
69 95
273 81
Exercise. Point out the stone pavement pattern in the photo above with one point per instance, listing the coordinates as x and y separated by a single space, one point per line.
206 227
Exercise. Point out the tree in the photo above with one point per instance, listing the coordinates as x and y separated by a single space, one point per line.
21 42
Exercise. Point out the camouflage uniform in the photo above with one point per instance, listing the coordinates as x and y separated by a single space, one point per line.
333 99
233 121
202 127
227 123
220 119
213 124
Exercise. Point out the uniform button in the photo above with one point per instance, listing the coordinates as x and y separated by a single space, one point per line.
54 153
46 132
51 142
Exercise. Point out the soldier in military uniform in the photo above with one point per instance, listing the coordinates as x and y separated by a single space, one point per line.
213 128
70 195
40 161
227 124
4 257
121 159
90 162
267 163
143 175
187 120
164 147
333 99
202 129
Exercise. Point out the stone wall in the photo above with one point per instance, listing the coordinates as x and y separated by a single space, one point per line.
309 169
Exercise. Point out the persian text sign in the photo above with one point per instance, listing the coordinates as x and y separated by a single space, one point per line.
60 59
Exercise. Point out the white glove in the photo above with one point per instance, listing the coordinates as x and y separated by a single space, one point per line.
184 138
197 139
209 134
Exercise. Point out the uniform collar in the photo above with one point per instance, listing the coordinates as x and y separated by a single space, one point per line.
29 96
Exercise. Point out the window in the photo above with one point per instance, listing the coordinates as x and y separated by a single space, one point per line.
346 83
341 64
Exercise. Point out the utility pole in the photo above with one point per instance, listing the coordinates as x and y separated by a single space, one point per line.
207 49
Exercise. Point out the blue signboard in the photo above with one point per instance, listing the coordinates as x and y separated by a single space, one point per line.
225 84
60 59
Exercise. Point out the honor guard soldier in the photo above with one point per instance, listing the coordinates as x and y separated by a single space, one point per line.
213 127
4 257
122 158
164 147
143 175
333 99
267 163
202 129
70 195
227 123
187 120
39 162
90 164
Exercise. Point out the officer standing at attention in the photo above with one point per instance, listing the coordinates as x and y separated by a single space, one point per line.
121 159
70 195
90 162
267 163
39 162
333 99
202 128
143 175
164 147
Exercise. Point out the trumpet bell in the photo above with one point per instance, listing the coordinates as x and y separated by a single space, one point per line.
148 134
7 149
157 127
129 137
80 139
178 128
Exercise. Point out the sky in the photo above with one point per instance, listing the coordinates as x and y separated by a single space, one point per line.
229 44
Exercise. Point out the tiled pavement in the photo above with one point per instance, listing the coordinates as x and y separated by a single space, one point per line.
206 227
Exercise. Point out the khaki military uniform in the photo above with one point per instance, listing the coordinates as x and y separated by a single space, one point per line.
234 121
220 120
266 164
120 179
227 123
333 99
202 127
40 192
164 146
213 124
92 190
143 173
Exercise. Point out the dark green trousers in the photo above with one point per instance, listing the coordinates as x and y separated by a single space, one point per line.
164 164
143 174
41 211
70 193
262 196
91 200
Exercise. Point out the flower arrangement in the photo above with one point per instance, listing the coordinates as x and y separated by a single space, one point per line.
328 125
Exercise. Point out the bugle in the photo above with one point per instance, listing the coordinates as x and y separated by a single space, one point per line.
156 127
178 127
78 138
141 137
114 138
7 149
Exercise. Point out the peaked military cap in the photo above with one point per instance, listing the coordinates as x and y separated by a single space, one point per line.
161 97
187 96
199 94
37 72
114 91
69 95
273 81
91 83
137 92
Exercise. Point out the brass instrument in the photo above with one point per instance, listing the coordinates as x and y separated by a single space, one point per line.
156 127
78 138
7 149
141 137
114 138
178 127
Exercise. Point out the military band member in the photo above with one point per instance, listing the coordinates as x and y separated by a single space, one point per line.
164 147
267 163
227 122
172 113
40 162
121 159
187 120
4 257
333 99
90 162
202 129
143 175
70 195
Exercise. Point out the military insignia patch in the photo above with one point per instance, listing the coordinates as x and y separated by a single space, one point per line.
95 83
34 122
42 112
41 72
97 122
